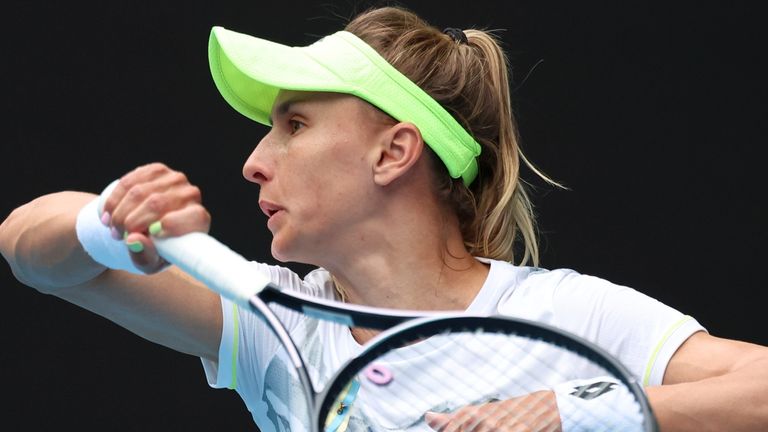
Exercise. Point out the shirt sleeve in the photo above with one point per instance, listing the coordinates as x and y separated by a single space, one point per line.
222 373
640 331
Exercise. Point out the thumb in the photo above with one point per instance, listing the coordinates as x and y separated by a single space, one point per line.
143 253
437 421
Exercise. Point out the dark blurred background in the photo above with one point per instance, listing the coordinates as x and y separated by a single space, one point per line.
652 114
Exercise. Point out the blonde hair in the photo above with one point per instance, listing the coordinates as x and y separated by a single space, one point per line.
471 81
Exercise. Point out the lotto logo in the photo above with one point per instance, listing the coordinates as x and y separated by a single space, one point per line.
591 391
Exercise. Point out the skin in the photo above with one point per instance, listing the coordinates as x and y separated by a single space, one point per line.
536 411
384 179
345 178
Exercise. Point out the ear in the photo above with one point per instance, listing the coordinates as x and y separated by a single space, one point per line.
400 149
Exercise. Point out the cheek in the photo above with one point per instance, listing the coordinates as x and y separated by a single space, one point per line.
328 199
334 172
335 161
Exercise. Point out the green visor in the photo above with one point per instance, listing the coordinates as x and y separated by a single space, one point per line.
249 72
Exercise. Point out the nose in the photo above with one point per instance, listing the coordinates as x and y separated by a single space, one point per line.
257 167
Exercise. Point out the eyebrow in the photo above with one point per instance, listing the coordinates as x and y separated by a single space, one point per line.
282 108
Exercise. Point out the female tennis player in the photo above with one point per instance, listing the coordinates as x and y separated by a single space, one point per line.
392 165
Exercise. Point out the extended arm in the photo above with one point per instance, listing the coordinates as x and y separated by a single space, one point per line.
713 384
39 242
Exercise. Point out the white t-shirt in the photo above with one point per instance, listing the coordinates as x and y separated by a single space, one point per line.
639 331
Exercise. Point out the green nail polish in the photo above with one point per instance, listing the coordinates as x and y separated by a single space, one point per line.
155 228
135 247
125 234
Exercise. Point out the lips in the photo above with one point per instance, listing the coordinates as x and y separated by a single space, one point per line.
269 208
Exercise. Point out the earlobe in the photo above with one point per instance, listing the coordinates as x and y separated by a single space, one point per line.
401 148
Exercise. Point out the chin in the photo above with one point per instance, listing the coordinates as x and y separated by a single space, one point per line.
282 251
279 254
284 254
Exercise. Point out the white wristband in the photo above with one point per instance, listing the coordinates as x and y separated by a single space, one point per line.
97 240
597 404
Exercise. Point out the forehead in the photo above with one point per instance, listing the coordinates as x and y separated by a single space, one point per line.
309 96
351 105
290 98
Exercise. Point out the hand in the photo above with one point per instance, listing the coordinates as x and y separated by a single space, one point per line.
533 412
147 195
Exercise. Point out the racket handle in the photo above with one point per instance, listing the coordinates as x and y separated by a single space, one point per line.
206 259
214 264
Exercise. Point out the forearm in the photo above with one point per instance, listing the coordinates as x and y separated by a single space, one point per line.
39 242
734 401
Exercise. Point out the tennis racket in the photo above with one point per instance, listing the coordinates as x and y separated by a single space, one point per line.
428 371
440 372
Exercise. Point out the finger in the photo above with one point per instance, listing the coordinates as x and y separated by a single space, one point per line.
436 421
139 175
479 418
143 253
136 194
536 411
465 419
491 417
193 218
158 204
451 422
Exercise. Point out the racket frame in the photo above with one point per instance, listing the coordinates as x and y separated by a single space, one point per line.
430 326
342 313
328 310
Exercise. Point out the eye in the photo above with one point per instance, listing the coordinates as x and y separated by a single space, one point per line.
295 125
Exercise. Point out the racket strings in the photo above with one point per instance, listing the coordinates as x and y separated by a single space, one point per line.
449 385
430 382
534 352
414 387
487 355
538 412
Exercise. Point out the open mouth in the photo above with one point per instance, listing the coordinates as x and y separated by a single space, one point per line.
269 208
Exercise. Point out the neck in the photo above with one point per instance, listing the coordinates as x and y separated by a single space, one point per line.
438 282
416 263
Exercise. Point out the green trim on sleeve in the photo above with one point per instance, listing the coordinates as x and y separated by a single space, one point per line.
664 338
235 345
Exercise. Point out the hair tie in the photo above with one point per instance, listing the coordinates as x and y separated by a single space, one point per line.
456 34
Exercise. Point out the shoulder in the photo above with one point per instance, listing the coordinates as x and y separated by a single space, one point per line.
638 329
558 282
523 281
539 292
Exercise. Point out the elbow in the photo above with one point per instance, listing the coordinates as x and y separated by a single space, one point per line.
6 230
39 243
10 234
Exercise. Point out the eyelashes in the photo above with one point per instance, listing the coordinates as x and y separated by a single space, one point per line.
295 125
